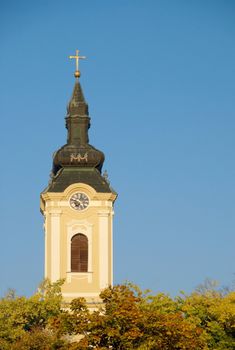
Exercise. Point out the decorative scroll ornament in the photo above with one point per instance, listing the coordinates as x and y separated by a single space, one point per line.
79 157
106 177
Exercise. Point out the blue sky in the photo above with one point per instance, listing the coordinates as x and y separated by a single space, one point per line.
160 82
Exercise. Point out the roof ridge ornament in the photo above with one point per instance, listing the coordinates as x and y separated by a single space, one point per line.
77 73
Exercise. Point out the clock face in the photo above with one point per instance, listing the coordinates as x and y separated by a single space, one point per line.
79 201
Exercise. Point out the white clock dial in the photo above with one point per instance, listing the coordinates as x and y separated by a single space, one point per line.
79 201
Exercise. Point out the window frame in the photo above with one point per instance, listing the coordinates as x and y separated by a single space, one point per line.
86 228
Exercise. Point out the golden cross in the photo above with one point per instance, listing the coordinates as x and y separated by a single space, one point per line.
77 58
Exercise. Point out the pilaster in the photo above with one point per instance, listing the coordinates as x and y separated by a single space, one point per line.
104 248
54 215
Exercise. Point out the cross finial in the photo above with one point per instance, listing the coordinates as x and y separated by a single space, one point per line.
77 58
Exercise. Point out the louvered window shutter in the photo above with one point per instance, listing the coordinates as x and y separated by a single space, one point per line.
79 253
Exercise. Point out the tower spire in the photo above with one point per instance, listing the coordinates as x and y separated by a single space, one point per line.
77 153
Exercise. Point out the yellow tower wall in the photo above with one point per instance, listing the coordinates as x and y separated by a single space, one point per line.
61 223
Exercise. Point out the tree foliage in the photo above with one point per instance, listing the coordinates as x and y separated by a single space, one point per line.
128 319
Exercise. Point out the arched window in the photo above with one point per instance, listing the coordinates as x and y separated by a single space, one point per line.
79 253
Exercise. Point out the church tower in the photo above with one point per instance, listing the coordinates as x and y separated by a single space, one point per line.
77 207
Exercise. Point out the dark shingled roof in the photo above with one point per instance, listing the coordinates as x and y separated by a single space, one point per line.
71 175
78 161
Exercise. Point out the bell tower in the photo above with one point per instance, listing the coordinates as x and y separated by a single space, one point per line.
77 207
